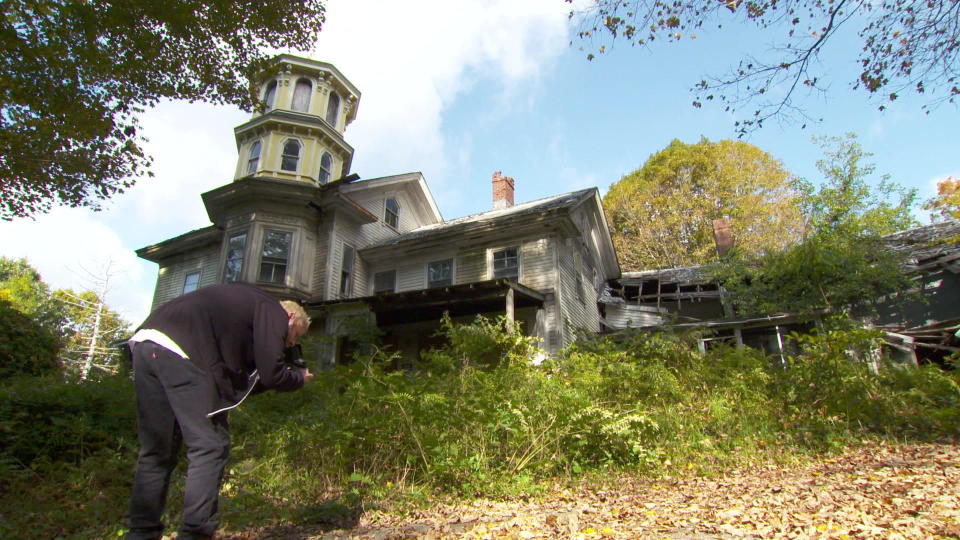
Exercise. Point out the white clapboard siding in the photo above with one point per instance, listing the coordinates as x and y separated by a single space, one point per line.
537 264
172 274
411 277
471 266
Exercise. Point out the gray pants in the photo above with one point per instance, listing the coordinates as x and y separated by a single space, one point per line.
173 399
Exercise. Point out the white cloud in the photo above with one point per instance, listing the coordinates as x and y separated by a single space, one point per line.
68 245
411 60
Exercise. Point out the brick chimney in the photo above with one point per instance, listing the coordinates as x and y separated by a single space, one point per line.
502 191
722 236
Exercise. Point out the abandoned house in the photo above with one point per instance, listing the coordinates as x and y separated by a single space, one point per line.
920 327
297 223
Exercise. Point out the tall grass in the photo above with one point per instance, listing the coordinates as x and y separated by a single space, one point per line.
473 418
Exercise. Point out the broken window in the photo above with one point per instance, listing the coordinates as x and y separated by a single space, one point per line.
273 261
440 273
233 267
291 155
385 281
346 271
391 213
506 263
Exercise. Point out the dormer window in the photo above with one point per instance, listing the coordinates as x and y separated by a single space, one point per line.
391 213
301 95
254 157
326 163
270 95
333 109
291 156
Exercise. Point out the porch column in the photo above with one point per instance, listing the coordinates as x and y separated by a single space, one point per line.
509 307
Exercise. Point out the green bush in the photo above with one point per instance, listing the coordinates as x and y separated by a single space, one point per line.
45 418
475 417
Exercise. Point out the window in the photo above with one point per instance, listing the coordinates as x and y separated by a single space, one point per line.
276 253
385 281
579 289
270 95
191 282
326 163
391 213
233 268
291 155
301 95
346 271
506 264
333 109
254 160
440 273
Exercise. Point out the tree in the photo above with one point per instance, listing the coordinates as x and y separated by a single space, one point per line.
906 46
662 214
30 321
92 329
841 261
946 205
75 74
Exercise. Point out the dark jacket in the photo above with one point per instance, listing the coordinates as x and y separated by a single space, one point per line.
230 331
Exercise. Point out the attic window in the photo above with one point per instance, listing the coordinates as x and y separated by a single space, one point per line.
391 213
301 95
506 263
291 155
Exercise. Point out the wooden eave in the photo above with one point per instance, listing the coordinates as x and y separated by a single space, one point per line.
180 244
340 202
430 304
221 200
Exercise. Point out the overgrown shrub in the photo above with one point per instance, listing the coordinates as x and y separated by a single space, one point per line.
476 416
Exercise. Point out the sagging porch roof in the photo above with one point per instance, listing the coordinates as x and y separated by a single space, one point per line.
430 304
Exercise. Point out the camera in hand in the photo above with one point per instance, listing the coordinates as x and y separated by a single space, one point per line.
293 356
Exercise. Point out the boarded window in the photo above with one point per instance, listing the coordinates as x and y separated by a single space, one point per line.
275 255
233 267
301 95
440 273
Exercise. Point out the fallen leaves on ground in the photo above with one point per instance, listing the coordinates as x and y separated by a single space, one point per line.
878 491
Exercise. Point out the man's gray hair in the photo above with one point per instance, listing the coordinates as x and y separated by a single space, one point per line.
299 314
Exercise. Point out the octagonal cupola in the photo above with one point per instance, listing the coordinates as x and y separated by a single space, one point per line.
307 105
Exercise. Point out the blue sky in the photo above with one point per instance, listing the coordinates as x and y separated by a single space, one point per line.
458 90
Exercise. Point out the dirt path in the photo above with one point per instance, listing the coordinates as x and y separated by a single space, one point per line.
903 491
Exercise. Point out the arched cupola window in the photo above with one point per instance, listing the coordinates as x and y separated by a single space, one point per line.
326 163
291 155
253 159
333 109
301 95
270 95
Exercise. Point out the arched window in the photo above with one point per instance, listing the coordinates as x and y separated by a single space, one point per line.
333 109
301 95
270 95
391 213
326 163
291 155
254 158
